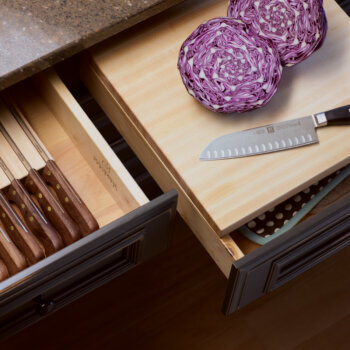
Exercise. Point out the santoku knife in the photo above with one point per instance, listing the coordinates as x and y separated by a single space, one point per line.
274 137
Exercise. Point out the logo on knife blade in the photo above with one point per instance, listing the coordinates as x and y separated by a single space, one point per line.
270 129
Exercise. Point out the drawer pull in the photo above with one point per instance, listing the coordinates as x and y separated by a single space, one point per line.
44 307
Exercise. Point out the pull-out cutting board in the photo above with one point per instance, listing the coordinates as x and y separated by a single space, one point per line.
139 68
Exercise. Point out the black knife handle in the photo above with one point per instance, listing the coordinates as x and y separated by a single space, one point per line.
338 116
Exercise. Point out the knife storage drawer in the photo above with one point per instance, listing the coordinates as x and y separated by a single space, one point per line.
132 227
134 78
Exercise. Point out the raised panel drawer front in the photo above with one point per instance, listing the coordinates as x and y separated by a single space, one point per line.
134 78
132 227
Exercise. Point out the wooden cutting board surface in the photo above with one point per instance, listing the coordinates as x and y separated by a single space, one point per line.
139 67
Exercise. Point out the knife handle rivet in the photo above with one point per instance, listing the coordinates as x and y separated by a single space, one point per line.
66 199
40 195
58 186
48 173
31 219
14 193
12 228
49 208
3 215
23 205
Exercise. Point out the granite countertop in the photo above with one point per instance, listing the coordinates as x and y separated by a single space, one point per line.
35 34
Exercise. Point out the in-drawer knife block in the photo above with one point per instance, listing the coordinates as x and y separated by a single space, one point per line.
132 227
135 79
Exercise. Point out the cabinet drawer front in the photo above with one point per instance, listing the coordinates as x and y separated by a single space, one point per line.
133 76
251 274
132 228
86 264
288 256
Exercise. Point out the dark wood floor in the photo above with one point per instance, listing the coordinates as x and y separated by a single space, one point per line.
174 301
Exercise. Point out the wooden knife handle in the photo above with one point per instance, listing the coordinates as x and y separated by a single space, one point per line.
9 253
34 218
4 273
52 208
17 231
69 198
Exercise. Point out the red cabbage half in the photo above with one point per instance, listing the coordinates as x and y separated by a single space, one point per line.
228 68
297 27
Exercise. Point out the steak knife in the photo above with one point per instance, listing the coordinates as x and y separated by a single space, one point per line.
68 197
275 137
52 209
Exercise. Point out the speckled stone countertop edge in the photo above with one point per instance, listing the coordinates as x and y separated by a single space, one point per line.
83 42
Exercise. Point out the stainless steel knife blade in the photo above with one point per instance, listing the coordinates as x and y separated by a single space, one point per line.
274 137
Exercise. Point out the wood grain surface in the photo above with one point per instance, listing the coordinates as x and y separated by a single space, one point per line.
69 198
51 207
91 144
68 157
15 228
139 67
15 261
173 302
20 138
4 273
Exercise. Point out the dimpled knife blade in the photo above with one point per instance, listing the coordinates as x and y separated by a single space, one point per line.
275 137
266 139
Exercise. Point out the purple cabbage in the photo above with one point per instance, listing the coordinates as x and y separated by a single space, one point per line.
228 68
297 27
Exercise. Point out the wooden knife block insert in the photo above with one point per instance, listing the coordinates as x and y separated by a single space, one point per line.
99 178
71 162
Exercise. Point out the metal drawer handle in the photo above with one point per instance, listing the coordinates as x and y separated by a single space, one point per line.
44 307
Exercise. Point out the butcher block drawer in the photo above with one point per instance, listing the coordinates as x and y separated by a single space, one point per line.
134 78
132 227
